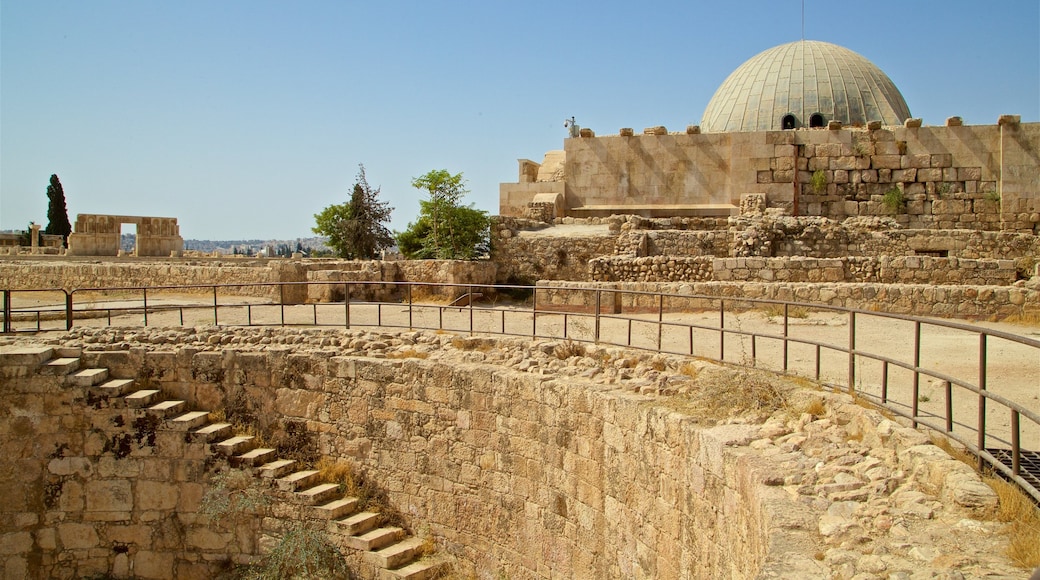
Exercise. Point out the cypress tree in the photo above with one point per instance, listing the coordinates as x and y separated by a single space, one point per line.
57 213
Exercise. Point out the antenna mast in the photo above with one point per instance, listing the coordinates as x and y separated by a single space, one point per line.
803 19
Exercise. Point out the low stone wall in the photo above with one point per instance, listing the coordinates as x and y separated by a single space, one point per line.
651 269
884 270
915 299
70 275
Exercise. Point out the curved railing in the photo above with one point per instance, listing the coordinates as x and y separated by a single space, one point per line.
988 400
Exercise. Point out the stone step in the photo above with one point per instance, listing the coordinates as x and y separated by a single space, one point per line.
143 398
167 409
358 523
88 377
335 509
276 469
115 387
375 539
60 366
395 555
318 494
33 356
298 480
426 569
212 432
235 445
258 456
190 420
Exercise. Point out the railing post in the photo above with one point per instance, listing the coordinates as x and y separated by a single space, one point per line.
915 391
785 336
595 337
281 303
949 406
660 319
68 311
722 329
409 287
470 290
852 352
144 292
7 311
982 397
534 312
215 318
1015 443
346 302
884 382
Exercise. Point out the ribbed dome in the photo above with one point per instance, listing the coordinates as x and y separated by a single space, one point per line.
802 84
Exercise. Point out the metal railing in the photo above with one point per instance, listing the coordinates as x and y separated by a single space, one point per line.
896 362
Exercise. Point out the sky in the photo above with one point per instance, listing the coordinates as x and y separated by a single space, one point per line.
244 118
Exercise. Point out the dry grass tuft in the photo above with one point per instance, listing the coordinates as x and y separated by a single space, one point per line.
1025 319
335 471
689 370
1023 518
954 450
816 407
568 349
723 393
478 344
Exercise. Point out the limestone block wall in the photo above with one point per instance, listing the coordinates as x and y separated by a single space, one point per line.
88 489
78 274
884 269
967 177
523 258
915 299
515 473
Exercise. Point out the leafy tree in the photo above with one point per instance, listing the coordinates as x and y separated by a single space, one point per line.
57 213
355 229
445 229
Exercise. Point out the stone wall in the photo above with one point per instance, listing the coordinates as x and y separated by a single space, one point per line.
965 177
516 471
522 256
90 489
916 299
24 274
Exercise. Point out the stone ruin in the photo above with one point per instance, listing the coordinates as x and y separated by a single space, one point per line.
99 235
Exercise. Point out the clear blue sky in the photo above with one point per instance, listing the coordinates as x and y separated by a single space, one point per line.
245 118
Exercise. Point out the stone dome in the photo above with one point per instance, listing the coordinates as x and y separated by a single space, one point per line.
804 84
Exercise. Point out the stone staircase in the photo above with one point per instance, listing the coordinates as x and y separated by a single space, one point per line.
388 552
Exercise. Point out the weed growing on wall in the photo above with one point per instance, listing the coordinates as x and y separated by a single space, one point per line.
233 495
894 200
818 181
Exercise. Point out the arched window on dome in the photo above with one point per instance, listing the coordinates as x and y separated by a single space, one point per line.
816 120
787 121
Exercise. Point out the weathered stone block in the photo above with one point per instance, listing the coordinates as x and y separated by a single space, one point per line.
74 536
885 162
109 495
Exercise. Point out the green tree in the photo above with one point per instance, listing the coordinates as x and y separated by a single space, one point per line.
57 213
445 229
356 229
